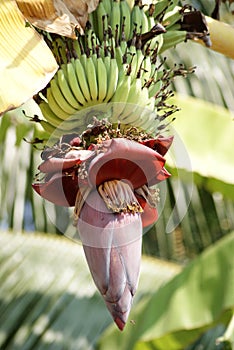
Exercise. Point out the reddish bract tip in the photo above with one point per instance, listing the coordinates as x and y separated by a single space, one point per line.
119 323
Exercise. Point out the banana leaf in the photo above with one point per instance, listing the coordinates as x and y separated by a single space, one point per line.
207 132
26 62
47 297
200 297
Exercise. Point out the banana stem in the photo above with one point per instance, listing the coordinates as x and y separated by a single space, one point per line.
222 37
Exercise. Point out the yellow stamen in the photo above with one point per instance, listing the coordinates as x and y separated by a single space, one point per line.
119 197
151 195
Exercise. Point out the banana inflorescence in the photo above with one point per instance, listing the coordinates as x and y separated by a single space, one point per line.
116 63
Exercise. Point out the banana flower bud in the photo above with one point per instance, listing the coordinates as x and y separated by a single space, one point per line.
110 186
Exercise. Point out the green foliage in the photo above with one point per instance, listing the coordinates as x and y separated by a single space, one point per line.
184 307
47 297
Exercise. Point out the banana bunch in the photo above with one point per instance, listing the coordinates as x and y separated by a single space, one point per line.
119 19
119 69
123 79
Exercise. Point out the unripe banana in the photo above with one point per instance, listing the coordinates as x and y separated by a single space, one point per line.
148 121
55 108
102 20
93 21
89 37
74 124
144 22
121 95
66 91
123 45
140 59
136 19
107 61
73 82
132 101
125 18
160 6
47 127
112 80
81 77
146 69
131 51
50 117
172 38
115 18
134 66
171 18
76 48
92 78
155 88
101 79
119 56
83 60
107 5
59 98
157 42
150 17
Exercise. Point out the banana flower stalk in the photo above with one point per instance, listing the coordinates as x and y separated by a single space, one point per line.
110 186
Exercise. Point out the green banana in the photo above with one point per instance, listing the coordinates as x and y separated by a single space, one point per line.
93 20
144 21
112 80
48 114
89 37
115 18
160 7
50 129
101 79
91 78
107 5
118 53
66 91
155 88
148 122
76 48
132 100
107 61
59 98
140 59
150 16
146 69
172 18
134 66
125 19
102 20
136 19
81 77
121 95
73 82
172 38
55 108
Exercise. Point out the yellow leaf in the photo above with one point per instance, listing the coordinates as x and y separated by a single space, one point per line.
222 37
26 62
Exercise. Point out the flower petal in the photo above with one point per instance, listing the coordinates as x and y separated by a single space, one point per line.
149 215
161 144
127 160
112 245
60 189
71 159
